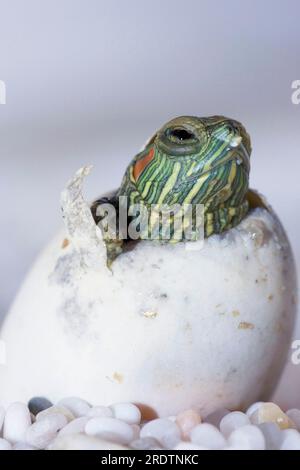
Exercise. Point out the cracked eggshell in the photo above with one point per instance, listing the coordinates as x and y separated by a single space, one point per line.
169 327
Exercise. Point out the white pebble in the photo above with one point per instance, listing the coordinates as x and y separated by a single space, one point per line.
184 445
83 442
232 421
126 412
136 431
4 444
146 443
233 447
23 446
294 415
164 430
253 408
61 410
207 435
110 429
100 412
291 440
216 417
77 406
74 427
247 437
43 431
272 434
16 422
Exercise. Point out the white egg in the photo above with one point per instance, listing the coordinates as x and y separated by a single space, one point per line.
170 327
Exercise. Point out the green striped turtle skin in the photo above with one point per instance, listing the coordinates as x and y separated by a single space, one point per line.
191 160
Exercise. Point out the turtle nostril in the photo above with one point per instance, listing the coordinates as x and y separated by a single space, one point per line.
181 134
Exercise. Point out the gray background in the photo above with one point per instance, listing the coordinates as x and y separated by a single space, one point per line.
89 80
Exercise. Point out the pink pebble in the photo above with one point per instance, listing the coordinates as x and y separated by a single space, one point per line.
186 421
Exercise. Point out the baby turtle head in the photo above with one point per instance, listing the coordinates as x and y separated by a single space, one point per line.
188 135
194 160
189 161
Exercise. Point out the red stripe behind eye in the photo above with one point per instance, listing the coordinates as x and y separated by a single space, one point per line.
142 163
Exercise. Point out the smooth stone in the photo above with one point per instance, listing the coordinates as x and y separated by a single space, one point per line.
23 446
145 443
100 412
16 422
74 427
216 417
61 410
233 421
291 440
254 407
186 421
184 445
83 442
271 413
4 444
77 406
208 436
247 437
110 429
294 415
233 447
38 404
126 412
164 430
272 434
136 431
43 431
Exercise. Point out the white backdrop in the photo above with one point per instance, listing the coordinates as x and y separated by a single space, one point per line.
89 80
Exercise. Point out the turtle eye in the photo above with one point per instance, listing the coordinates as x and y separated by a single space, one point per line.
178 141
180 134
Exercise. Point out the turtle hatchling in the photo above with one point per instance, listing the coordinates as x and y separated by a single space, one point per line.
177 290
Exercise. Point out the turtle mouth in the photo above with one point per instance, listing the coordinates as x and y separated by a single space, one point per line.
240 155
